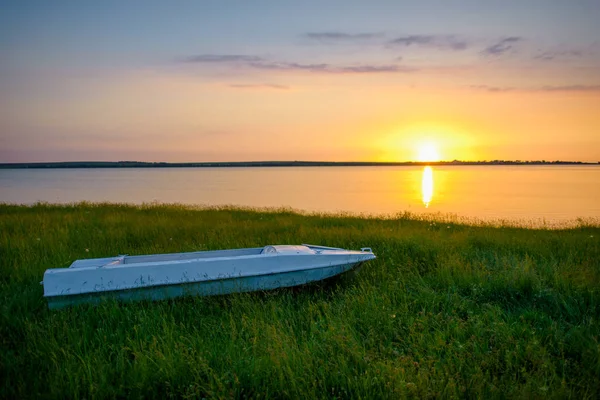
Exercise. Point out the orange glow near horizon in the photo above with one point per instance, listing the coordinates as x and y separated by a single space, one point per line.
128 117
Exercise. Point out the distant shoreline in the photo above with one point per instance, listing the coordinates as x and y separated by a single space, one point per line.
254 164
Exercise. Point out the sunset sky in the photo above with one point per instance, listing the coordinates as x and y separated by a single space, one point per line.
303 80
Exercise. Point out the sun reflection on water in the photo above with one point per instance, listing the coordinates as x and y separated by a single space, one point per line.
427 186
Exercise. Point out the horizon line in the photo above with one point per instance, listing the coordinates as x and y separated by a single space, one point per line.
276 163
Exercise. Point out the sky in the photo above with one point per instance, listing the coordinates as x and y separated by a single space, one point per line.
303 80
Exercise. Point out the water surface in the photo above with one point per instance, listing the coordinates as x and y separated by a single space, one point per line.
550 193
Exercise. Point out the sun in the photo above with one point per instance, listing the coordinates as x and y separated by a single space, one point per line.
428 152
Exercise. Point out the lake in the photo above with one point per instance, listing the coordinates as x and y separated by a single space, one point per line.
546 194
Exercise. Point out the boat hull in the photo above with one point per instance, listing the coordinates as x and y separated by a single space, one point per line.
204 288
163 276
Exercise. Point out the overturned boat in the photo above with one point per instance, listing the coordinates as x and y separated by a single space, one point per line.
203 273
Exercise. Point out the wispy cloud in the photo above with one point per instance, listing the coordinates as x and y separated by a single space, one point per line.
503 46
445 42
259 86
365 69
288 66
555 55
220 58
548 88
328 68
342 36
256 62
493 88
571 88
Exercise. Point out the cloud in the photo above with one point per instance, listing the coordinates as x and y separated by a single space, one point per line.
259 86
503 46
571 88
362 69
220 58
553 55
548 88
445 42
493 88
341 36
334 69
287 66
256 62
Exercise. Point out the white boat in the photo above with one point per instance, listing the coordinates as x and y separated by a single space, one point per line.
204 273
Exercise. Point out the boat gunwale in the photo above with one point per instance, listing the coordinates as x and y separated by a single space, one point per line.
193 260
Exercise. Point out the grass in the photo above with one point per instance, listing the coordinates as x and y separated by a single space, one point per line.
446 310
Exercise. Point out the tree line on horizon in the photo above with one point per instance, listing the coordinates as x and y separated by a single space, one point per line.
144 164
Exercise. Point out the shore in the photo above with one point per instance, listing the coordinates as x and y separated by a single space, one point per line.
446 309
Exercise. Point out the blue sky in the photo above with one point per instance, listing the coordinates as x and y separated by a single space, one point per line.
63 59
146 33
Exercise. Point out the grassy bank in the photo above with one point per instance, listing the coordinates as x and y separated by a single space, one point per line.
446 310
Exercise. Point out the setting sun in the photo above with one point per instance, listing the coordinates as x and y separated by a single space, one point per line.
428 152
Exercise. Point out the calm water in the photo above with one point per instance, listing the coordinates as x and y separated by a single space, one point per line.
550 193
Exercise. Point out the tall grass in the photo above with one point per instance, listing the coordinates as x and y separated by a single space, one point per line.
446 310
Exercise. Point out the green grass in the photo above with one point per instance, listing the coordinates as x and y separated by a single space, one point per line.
446 310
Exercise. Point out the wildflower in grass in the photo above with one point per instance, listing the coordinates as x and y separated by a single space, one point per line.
87 250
